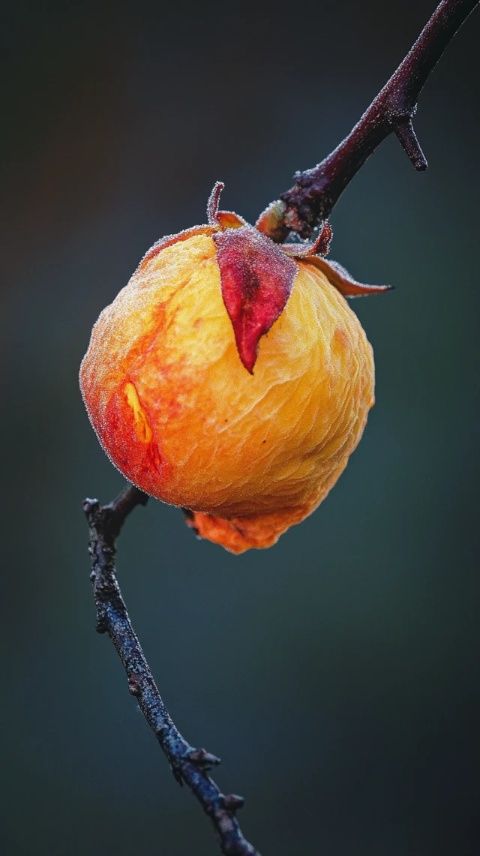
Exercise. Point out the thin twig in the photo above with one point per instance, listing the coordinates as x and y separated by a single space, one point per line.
190 766
316 190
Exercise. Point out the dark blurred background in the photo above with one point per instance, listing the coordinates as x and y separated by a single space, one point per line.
336 673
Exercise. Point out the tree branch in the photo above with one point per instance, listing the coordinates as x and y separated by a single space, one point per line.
190 766
316 190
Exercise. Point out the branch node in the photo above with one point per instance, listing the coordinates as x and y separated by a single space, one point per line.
232 802
134 687
405 133
203 759
90 506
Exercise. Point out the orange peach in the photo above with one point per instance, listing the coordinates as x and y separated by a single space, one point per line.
166 388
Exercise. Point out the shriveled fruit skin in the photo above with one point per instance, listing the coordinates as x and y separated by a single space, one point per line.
178 414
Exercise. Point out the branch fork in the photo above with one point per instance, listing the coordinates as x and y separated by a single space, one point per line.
189 766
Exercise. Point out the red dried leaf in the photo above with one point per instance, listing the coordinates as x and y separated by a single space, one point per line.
321 245
256 278
230 220
342 280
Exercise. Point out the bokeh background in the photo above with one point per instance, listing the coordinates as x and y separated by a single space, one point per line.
336 673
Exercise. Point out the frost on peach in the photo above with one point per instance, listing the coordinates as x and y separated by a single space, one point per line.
231 378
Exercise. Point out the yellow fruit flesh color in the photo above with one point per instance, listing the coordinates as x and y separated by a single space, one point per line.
256 453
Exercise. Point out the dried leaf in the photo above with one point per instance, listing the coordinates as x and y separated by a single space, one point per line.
342 280
256 279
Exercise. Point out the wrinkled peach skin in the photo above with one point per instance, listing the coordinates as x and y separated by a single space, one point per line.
179 415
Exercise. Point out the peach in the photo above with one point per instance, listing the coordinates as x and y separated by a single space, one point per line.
166 388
